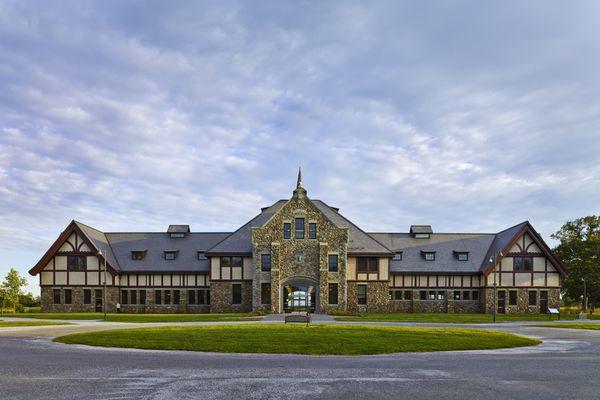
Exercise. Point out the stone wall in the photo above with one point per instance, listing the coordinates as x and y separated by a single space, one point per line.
377 297
221 296
522 306
299 258
47 299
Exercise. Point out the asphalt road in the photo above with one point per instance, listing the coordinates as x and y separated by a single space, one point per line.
566 365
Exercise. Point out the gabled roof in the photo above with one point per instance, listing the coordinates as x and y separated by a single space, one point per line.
359 242
443 244
178 229
240 241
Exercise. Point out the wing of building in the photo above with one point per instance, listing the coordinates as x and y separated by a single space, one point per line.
299 254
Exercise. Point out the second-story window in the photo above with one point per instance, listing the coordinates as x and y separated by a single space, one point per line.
170 255
76 263
265 262
137 255
287 230
299 228
429 255
232 261
312 230
398 256
333 262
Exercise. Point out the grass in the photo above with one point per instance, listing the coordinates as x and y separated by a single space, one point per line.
300 339
9 324
143 317
594 327
449 318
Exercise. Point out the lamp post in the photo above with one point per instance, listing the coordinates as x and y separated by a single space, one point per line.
585 303
104 291
493 261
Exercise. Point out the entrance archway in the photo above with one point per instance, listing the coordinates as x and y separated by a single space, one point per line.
300 294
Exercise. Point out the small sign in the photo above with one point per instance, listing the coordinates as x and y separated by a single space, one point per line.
553 311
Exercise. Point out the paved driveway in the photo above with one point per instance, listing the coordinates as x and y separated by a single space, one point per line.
566 365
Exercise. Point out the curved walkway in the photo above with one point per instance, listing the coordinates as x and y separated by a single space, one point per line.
566 365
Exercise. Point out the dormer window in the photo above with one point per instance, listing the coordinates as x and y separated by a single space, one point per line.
178 231
138 254
462 255
177 235
397 256
202 256
171 254
422 236
421 231
428 255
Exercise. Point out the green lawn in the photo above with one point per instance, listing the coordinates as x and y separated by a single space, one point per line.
300 339
449 318
8 324
583 325
144 317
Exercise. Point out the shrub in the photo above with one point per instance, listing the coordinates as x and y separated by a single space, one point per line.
342 313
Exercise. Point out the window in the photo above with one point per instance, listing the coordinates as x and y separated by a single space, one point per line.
421 235
170 255
56 293
333 293
408 295
137 255
457 295
287 230
87 296
523 264
462 256
298 257
76 263
68 296
142 297
202 296
167 297
177 235
397 256
123 296
157 297
467 295
133 297
397 295
191 297
422 294
265 293
332 260
312 230
431 295
207 296
265 262
512 297
236 293
429 255
475 295
532 298
367 264
299 228
362 294
231 261
202 256
441 295
176 296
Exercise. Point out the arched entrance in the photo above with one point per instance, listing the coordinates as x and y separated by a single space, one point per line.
300 294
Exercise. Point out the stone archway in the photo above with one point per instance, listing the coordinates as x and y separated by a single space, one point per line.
299 293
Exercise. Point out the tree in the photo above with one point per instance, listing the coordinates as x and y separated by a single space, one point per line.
579 251
11 288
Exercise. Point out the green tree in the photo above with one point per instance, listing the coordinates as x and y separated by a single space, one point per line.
11 289
579 251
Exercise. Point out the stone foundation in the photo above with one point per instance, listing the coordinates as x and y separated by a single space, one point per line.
522 306
47 298
377 297
221 297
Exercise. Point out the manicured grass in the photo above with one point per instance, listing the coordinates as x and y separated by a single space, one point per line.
300 339
594 327
144 317
449 318
8 324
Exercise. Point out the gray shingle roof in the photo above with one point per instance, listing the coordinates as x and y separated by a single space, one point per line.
156 243
240 241
99 240
359 242
444 245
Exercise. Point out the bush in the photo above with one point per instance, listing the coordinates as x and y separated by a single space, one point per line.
259 312
32 309
19 308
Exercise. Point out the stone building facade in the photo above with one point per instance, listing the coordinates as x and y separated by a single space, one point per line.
299 254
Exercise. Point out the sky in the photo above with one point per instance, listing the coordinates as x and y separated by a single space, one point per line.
470 116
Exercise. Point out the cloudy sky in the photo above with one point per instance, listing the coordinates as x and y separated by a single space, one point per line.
470 116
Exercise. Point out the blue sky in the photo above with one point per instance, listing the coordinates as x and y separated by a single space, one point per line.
469 116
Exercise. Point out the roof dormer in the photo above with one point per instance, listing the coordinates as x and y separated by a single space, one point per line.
178 231
421 231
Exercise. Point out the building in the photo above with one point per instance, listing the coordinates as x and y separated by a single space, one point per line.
299 254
